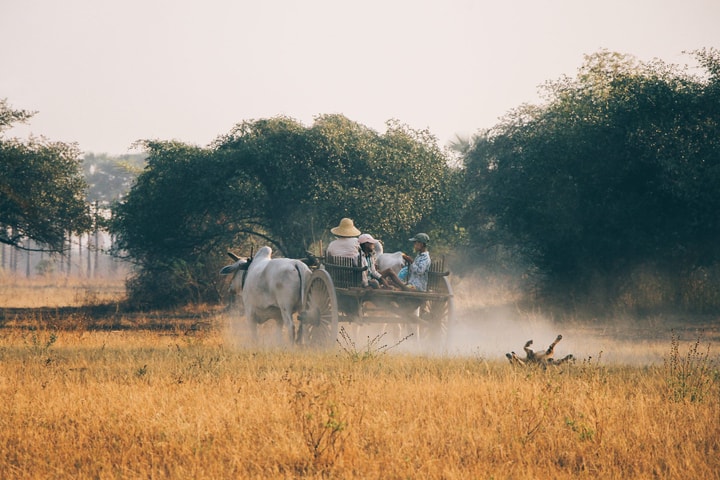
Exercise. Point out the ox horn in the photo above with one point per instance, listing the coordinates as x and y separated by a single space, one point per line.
233 256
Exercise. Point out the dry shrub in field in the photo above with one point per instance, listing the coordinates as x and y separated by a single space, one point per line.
373 348
323 417
690 377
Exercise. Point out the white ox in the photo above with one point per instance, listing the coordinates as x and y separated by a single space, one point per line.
272 288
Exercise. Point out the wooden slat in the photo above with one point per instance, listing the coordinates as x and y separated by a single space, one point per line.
436 274
343 273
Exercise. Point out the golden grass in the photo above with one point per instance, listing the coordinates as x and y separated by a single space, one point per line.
169 405
189 403
58 291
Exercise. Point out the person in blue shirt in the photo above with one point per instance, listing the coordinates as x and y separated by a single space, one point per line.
415 275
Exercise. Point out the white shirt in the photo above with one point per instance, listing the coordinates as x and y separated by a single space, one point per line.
345 247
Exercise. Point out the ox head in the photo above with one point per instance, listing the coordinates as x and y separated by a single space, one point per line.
311 260
240 266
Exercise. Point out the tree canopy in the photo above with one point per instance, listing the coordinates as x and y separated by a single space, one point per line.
276 182
42 188
619 167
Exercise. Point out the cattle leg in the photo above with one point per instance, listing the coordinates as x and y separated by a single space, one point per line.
252 327
514 359
551 348
299 331
287 322
565 359
529 353
251 323
279 324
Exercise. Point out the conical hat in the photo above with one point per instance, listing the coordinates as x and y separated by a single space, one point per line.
345 229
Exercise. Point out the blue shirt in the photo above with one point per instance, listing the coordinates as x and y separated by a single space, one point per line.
419 271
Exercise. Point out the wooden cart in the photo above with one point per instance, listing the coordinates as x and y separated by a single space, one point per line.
335 294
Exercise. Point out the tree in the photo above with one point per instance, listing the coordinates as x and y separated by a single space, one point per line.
390 184
42 189
270 181
620 167
309 178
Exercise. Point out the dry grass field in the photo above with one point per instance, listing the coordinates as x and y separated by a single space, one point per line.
125 400
57 291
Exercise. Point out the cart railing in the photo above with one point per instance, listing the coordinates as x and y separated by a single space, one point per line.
435 276
345 274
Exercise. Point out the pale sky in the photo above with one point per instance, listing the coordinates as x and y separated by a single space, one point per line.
107 73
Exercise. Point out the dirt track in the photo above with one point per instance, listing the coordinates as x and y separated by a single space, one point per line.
480 332
103 317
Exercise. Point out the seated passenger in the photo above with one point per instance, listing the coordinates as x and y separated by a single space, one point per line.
370 277
346 244
418 270
414 276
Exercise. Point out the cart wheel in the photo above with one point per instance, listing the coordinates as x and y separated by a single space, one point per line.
319 320
437 320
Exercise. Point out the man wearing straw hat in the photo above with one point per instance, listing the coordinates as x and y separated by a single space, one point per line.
346 244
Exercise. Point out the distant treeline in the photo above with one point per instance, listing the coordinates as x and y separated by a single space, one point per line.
605 194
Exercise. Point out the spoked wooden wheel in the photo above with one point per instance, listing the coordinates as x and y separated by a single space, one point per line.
436 319
319 320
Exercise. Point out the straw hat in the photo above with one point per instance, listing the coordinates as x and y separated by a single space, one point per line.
345 229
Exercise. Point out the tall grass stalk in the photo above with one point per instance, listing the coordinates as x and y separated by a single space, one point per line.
690 376
373 348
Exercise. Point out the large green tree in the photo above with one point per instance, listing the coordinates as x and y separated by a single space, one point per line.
275 182
311 177
42 188
620 166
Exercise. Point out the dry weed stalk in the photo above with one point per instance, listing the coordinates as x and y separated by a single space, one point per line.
323 416
689 377
373 349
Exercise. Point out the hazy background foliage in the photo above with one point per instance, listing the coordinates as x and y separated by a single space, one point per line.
41 188
615 175
603 195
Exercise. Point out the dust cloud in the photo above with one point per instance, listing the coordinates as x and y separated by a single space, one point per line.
489 323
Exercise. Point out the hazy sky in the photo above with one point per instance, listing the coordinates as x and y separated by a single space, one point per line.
106 73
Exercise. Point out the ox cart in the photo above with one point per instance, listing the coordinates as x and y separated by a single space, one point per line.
334 294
